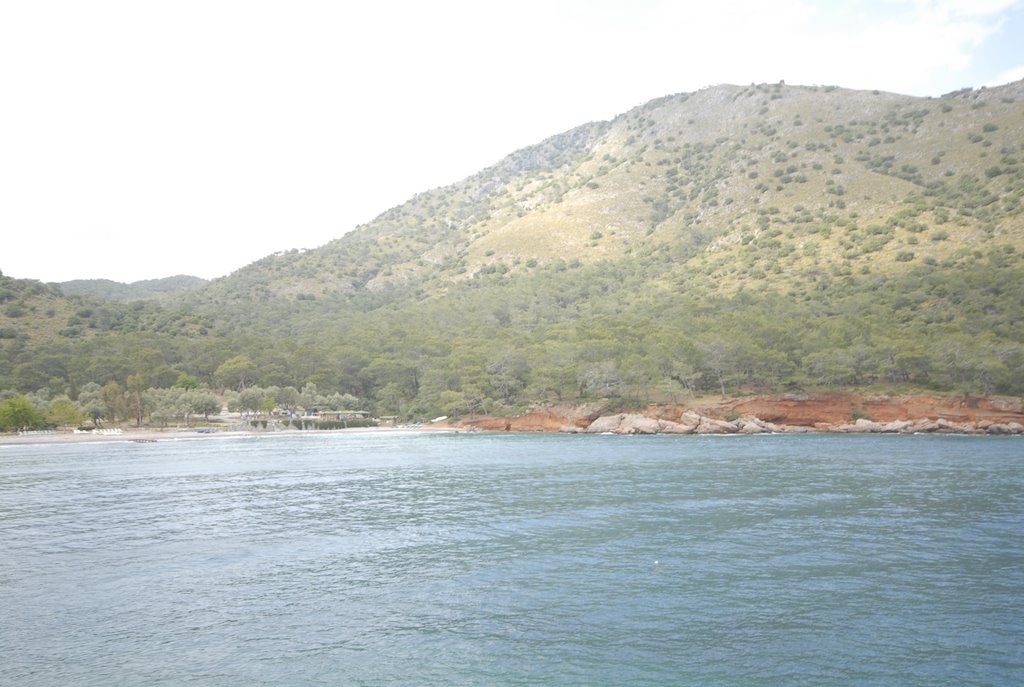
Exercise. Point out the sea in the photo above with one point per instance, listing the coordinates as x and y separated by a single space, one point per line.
512 559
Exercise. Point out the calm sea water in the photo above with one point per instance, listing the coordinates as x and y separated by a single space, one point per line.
383 559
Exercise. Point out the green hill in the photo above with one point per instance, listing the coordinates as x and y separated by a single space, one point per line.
767 237
107 289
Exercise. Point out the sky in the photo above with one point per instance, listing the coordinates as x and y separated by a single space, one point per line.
143 139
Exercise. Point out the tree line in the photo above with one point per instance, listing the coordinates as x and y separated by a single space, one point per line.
502 343
186 402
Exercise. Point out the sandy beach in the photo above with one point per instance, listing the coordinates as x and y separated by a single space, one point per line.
146 435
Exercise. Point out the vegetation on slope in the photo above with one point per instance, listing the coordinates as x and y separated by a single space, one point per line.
767 237
135 291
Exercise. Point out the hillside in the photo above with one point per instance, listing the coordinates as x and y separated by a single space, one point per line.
107 289
758 238
733 182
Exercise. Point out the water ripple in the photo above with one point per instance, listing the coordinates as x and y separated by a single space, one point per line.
514 560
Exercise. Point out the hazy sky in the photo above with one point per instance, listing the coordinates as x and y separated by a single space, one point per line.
142 139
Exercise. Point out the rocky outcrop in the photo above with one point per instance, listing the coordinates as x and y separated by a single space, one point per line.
688 423
633 423
844 408
568 418
487 423
926 426
842 413
1007 428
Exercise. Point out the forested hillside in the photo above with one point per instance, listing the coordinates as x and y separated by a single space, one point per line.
759 238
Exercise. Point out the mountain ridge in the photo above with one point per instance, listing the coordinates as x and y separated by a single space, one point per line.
537 207
109 289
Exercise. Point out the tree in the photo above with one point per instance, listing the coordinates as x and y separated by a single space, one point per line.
19 413
287 398
602 378
186 381
309 397
204 403
65 413
166 405
341 402
508 374
136 385
91 400
251 400
391 399
236 372
718 354
114 405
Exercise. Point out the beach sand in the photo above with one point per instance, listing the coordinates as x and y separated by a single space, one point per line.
146 435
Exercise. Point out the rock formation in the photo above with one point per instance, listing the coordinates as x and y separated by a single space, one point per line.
840 413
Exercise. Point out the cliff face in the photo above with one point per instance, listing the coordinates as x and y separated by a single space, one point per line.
843 412
838 409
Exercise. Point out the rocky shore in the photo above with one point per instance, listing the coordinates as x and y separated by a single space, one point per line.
790 414
837 413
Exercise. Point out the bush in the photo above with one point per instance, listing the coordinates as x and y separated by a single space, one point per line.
20 413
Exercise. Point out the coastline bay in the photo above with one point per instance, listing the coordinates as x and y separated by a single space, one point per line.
437 558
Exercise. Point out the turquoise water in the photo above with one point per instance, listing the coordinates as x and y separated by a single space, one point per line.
384 559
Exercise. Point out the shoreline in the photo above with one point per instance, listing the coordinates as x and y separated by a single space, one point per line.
152 435
628 426
835 413
144 437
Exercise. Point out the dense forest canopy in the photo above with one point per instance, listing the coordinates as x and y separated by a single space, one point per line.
736 239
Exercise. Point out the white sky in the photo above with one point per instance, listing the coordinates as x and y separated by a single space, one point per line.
142 139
